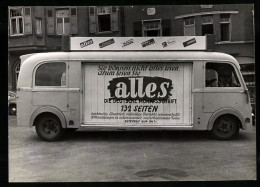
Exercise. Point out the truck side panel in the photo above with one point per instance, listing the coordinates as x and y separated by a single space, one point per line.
137 94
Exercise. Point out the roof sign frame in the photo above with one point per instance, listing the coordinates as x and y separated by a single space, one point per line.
172 43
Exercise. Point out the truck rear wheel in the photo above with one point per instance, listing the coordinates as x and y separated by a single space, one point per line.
225 127
49 128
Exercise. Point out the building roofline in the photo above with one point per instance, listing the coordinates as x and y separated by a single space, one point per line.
205 13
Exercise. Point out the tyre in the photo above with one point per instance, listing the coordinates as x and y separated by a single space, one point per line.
12 109
49 128
225 127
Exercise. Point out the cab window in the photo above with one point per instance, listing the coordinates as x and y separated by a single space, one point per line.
51 74
221 75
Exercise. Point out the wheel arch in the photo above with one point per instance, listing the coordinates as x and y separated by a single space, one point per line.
225 111
45 110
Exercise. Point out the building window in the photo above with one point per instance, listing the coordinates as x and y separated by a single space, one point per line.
50 13
17 71
38 28
16 21
103 19
20 21
152 28
104 22
225 27
63 22
207 25
189 27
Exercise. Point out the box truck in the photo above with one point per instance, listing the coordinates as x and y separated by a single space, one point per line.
133 83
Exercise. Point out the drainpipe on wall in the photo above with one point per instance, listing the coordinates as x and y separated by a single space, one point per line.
122 21
253 13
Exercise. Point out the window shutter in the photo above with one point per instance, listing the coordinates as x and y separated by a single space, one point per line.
92 19
137 28
50 21
114 18
166 27
9 22
73 20
27 20
38 27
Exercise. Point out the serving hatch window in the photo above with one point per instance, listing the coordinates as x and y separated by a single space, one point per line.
51 74
221 75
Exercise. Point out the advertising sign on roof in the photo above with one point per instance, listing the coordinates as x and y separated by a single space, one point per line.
138 43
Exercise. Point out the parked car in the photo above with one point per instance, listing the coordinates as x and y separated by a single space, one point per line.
12 103
253 114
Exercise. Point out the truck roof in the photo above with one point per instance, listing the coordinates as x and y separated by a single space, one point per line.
131 56
29 62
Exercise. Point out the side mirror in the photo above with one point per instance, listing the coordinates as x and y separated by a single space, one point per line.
247 95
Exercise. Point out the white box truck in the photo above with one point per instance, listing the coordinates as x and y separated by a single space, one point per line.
159 83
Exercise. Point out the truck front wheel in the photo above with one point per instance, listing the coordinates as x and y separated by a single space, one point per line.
48 128
225 127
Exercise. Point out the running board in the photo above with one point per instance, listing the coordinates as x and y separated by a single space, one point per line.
133 128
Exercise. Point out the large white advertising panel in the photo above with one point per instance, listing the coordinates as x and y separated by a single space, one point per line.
138 43
138 94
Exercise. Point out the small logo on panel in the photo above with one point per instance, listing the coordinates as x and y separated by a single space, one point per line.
148 42
106 43
128 42
169 42
86 43
189 42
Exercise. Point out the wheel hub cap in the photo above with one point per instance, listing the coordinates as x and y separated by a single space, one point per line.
50 128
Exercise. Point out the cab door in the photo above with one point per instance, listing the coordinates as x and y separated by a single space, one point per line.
223 88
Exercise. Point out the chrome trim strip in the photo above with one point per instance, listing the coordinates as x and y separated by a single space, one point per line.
48 89
135 126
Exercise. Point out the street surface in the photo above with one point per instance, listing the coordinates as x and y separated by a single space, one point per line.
129 156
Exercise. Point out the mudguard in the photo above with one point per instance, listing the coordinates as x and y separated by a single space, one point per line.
225 111
49 109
